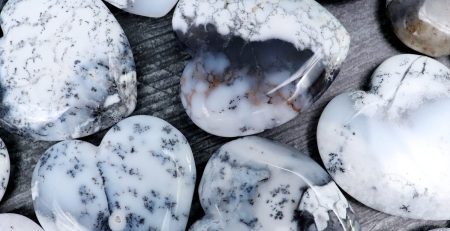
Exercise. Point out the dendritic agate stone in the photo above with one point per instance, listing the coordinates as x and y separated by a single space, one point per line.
66 70
423 25
149 8
389 147
15 222
244 49
256 184
141 177
4 168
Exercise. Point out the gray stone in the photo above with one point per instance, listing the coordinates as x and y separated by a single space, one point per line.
423 25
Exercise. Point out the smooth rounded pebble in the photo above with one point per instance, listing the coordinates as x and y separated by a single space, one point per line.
389 147
67 69
256 184
140 177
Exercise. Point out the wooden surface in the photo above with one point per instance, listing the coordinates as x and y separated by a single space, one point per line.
160 60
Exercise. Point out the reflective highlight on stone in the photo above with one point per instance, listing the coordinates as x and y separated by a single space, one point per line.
4 168
149 8
141 177
15 222
423 25
244 49
388 147
256 184
66 70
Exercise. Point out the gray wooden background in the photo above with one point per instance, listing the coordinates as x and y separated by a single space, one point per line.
160 60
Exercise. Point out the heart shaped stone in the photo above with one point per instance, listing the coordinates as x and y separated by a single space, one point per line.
149 8
423 25
66 70
389 147
15 222
256 184
4 168
140 177
243 54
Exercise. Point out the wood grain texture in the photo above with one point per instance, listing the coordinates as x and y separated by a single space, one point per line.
160 60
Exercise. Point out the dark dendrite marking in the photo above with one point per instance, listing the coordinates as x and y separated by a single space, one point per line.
77 168
134 221
277 205
169 143
173 167
405 208
250 223
86 196
167 129
335 164
139 129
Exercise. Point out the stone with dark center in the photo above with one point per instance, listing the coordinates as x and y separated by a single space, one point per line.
244 56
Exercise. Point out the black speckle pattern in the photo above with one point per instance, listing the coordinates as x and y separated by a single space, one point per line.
255 184
69 75
131 183
238 57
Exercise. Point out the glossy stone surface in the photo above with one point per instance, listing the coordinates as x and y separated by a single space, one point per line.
149 8
67 69
423 25
243 49
15 222
5 168
255 184
141 177
388 147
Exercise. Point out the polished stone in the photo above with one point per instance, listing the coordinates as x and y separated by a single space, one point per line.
66 70
149 8
140 177
255 184
5 168
389 147
423 25
244 49
15 222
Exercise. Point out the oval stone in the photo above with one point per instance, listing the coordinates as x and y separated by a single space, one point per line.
244 51
67 69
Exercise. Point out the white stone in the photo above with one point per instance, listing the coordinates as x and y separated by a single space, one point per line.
141 177
149 8
66 70
15 222
243 49
4 169
256 184
389 147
